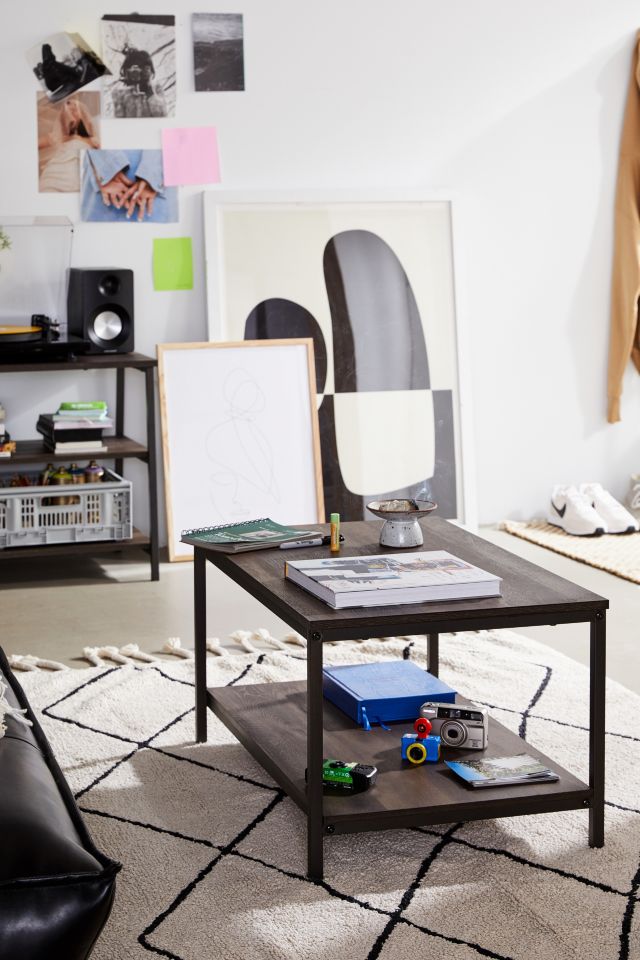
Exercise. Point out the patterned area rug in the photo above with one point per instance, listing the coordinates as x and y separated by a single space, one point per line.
214 853
615 554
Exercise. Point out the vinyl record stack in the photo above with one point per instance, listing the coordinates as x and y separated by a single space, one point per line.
76 427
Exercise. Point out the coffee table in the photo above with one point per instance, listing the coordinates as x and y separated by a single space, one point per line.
288 726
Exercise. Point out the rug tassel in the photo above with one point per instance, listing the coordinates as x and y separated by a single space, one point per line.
30 662
173 646
213 645
262 634
91 654
295 638
112 653
133 651
243 637
96 655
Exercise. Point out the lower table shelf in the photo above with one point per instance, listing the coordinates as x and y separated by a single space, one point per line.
269 719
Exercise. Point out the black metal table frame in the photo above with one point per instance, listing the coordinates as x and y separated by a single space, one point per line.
316 826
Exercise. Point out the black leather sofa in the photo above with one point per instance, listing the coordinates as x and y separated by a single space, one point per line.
56 888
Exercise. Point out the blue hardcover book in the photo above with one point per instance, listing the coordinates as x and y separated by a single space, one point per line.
383 692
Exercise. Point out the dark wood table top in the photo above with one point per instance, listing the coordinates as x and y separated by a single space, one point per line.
530 594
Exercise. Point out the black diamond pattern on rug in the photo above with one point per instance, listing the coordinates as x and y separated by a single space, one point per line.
214 853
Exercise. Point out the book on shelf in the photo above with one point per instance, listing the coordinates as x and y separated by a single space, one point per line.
388 579
502 771
382 692
55 431
248 535
55 422
76 446
86 408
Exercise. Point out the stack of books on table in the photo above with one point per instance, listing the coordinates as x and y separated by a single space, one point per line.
76 427
388 579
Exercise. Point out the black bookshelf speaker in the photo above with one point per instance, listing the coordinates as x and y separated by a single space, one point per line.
100 308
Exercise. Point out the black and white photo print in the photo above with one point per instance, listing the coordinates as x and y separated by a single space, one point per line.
218 51
63 63
140 52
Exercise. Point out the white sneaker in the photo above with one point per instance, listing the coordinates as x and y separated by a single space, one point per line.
617 518
633 497
573 511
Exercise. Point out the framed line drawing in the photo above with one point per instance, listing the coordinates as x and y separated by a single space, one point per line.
372 282
240 437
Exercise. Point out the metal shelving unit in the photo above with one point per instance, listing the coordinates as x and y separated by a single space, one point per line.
120 447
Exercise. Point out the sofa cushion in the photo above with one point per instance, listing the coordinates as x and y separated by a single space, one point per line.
56 888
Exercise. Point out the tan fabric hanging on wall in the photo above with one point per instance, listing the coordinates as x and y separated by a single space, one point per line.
624 340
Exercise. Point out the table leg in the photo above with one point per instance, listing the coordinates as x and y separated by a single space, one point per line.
200 639
154 550
598 673
314 758
433 658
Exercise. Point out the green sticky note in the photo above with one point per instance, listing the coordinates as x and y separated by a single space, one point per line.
172 264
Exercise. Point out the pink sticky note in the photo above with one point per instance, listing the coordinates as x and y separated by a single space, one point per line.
190 155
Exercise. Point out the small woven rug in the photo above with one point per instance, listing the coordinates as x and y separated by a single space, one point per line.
619 555
214 853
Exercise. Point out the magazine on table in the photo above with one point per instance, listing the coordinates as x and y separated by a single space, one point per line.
502 771
386 579
248 535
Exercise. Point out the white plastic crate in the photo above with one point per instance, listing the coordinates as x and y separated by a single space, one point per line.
96 511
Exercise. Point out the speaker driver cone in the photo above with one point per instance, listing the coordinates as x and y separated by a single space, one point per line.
107 325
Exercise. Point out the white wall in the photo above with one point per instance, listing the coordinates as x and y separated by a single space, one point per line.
516 107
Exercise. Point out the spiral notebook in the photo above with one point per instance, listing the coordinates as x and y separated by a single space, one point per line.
248 535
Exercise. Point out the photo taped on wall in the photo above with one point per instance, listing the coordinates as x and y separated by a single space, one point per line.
140 53
64 62
218 51
126 185
65 129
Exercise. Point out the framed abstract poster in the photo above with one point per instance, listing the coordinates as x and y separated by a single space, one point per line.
373 284
227 458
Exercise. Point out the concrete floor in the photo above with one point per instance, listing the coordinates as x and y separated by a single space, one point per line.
55 608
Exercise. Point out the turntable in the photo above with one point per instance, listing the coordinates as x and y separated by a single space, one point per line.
34 259
37 340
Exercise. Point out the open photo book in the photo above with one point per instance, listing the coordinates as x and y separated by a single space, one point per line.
387 579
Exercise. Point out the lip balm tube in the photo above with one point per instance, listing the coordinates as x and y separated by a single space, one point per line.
335 533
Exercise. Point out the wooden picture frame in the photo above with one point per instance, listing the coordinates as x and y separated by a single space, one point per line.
375 282
240 437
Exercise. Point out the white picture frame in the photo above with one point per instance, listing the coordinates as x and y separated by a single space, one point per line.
265 248
226 456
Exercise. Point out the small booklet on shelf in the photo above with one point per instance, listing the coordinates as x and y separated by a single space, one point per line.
249 535
386 579
502 771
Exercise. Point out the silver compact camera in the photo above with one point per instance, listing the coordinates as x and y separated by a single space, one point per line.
466 727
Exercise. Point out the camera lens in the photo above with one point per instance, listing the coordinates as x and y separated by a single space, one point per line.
416 753
453 733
